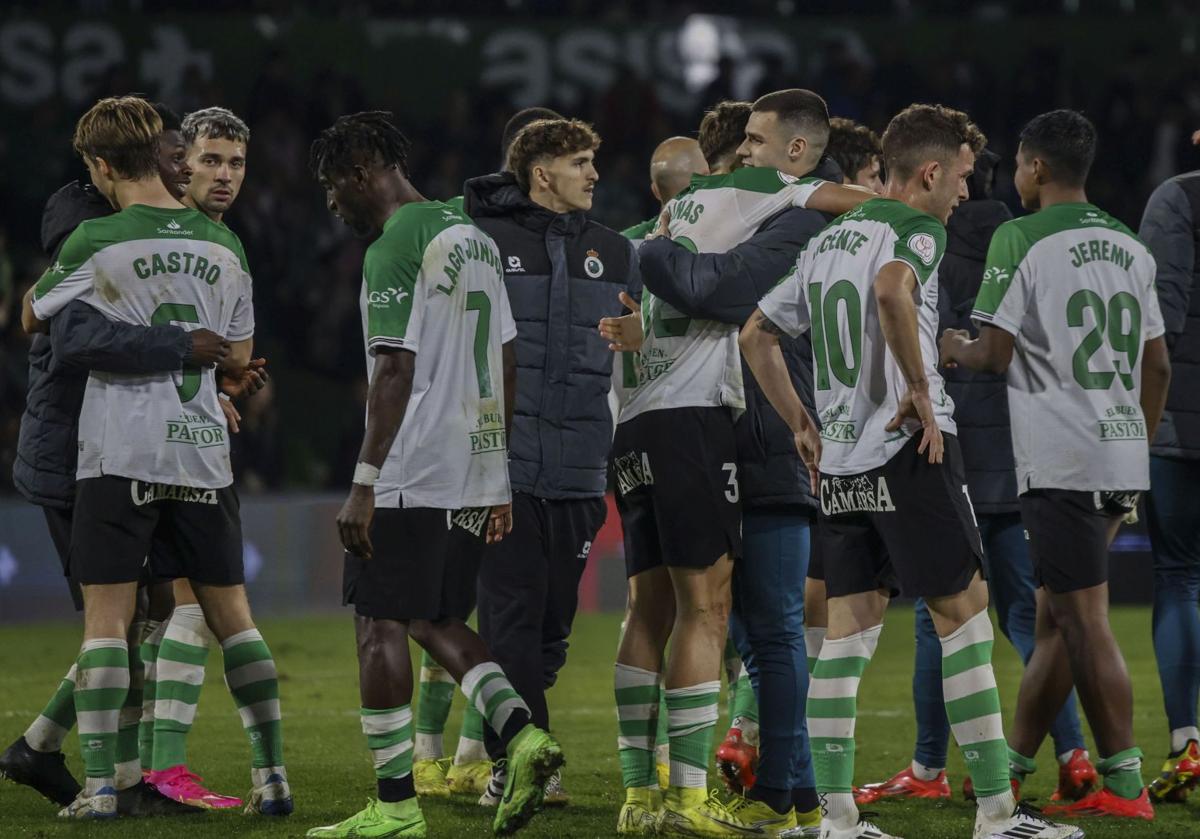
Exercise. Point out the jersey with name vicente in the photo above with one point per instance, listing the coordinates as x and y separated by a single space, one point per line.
831 291
433 285
1076 288
689 362
151 266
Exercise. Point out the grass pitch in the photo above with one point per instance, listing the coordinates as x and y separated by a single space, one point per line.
329 766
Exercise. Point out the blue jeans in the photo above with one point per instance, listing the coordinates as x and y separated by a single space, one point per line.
767 626
1011 584
1173 510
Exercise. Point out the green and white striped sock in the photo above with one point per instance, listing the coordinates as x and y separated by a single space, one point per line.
662 737
389 737
129 764
637 694
102 681
470 737
251 678
154 632
49 730
182 656
1123 773
832 712
814 639
973 709
489 690
433 707
691 720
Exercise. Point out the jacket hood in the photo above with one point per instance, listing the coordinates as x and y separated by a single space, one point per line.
65 209
497 195
971 227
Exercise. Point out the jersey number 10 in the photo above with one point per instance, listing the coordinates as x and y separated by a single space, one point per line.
829 354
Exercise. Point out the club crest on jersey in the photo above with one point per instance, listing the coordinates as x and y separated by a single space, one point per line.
923 245
592 266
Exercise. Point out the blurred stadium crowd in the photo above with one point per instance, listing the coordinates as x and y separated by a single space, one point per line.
306 266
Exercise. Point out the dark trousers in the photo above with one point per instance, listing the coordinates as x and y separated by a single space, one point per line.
528 594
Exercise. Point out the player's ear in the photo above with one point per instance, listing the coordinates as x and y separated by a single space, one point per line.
929 174
797 147
654 191
359 174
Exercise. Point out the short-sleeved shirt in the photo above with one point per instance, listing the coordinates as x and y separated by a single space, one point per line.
150 266
857 381
433 285
688 362
1076 288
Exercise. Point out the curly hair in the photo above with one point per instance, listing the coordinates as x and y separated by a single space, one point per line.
852 146
927 132
123 130
366 137
546 139
722 130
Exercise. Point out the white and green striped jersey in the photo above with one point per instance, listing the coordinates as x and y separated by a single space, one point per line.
831 291
149 266
1076 288
688 362
433 285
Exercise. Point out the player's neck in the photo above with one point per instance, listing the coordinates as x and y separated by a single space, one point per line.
549 200
147 191
1052 193
189 201
399 194
908 193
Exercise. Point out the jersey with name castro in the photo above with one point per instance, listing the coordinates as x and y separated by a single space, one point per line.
433 285
1076 288
151 266
689 362
857 381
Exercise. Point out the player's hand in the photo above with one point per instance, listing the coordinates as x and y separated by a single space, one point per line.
245 383
208 348
232 417
500 522
354 520
808 444
663 230
1196 137
624 333
951 342
915 404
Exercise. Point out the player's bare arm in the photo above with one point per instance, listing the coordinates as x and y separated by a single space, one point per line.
624 333
838 198
991 352
387 400
759 341
29 321
894 288
1156 377
500 520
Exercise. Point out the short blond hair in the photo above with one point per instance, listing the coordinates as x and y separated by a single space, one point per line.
123 130
546 139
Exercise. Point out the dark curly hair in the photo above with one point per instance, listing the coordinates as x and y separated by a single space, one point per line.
365 137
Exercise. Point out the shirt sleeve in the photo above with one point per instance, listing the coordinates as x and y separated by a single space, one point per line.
394 306
69 278
920 244
1153 323
508 326
762 192
785 305
1004 294
241 325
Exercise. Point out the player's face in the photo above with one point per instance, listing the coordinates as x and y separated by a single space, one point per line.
869 176
345 199
172 162
950 183
572 179
766 143
1025 180
218 168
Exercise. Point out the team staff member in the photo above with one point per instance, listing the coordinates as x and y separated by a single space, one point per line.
563 273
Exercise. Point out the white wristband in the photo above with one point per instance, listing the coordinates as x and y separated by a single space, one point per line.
365 474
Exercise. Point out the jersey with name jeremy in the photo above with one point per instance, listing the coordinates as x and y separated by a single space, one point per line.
831 291
687 362
151 266
1076 288
433 285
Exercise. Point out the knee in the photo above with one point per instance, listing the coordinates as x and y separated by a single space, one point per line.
377 639
422 631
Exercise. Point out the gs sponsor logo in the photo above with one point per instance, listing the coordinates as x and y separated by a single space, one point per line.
385 297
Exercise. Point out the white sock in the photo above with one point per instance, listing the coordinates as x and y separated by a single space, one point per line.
427 746
814 639
839 809
259 776
469 751
1180 737
129 773
749 729
925 773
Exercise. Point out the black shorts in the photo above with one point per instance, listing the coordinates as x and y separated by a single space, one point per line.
58 522
816 559
906 526
424 567
126 530
677 488
1068 536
